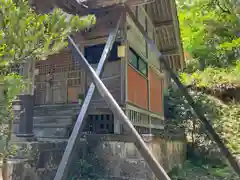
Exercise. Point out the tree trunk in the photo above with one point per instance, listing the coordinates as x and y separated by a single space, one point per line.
7 149
193 133
28 73
5 173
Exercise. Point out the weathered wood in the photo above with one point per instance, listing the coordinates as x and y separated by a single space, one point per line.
210 130
58 86
82 7
119 114
94 4
135 38
70 150
106 21
177 32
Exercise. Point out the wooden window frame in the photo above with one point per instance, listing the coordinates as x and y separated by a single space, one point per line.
113 52
137 66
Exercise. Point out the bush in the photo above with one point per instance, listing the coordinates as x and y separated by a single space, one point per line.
192 171
224 118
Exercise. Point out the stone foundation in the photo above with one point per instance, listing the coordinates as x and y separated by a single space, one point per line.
106 157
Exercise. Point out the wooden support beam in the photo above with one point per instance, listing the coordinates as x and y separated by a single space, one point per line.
170 52
72 145
177 31
93 4
106 20
119 114
82 7
210 130
163 23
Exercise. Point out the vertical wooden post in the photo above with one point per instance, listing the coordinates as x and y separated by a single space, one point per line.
27 101
117 126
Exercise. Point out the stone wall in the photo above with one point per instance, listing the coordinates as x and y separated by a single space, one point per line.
116 155
110 157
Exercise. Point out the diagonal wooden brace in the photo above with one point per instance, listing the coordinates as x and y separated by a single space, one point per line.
72 145
211 132
119 114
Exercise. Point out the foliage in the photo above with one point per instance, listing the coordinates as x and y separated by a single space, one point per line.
210 32
13 83
192 171
83 170
213 77
224 118
25 34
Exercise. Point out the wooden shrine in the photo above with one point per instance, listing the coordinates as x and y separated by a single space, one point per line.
135 78
124 36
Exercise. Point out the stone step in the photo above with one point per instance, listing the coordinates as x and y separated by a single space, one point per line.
57 110
52 119
63 112
52 125
52 131
57 106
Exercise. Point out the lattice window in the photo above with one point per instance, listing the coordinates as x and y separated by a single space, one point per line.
60 79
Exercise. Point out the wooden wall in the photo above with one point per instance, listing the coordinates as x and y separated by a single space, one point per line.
111 77
70 80
66 79
137 88
137 41
144 92
135 38
156 85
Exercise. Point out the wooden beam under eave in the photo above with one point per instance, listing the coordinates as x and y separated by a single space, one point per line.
170 52
95 4
84 7
177 31
163 23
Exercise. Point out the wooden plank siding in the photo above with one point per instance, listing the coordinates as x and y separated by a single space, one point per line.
111 78
135 38
66 79
70 80
137 88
